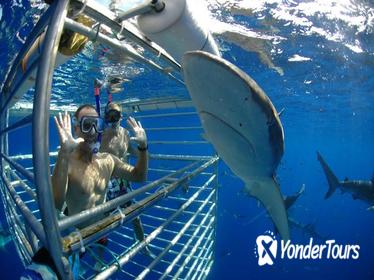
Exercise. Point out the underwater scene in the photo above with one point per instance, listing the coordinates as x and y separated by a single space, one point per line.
310 66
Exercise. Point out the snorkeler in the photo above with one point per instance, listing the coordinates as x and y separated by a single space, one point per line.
81 176
116 141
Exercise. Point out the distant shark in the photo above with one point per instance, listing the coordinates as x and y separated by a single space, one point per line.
363 190
243 126
308 229
291 199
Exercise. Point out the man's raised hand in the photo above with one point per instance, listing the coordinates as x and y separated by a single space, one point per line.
67 142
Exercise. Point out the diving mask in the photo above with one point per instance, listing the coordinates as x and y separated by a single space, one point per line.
87 123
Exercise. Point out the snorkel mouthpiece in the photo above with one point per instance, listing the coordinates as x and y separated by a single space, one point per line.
114 125
95 147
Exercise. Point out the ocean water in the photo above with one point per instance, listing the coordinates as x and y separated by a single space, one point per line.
315 60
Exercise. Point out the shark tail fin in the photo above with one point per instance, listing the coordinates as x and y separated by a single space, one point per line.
330 176
267 191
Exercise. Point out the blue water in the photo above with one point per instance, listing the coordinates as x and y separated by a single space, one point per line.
329 107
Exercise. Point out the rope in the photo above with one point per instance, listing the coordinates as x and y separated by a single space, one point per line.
118 209
97 26
81 10
163 189
82 249
120 31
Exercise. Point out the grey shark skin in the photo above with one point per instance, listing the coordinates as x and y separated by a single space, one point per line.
362 190
242 124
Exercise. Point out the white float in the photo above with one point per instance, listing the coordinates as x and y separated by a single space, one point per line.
177 29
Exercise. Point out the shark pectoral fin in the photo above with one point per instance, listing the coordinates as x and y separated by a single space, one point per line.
267 191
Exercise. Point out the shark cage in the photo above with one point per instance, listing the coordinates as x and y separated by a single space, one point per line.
177 205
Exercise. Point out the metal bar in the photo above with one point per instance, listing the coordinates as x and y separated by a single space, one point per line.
25 121
93 232
25 248
201 257
207 268
40 137
94 35
176 238
103 15
173 128
143 266
208 259
151 156
35 32
27 174
124 259
202 236
177 142
20 227
23 79
165 230
212 242
186 260
179 157
28 189
161 170
138 10
168 230
8 203
155 104
216 209
172 209
112 204
171 251
30 156
171 115
32 238
29 217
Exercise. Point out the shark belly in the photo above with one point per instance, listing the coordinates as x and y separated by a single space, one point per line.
242 125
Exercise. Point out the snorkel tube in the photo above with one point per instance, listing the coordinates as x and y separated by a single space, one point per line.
97 85
110 96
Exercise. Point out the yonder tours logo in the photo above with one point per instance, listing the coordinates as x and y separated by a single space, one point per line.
267 246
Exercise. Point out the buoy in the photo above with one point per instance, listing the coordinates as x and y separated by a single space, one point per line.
177 29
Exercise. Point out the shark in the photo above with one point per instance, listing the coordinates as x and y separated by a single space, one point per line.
307 229
241 123
291 199
359 189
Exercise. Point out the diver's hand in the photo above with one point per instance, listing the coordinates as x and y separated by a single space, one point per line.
140 137
67 142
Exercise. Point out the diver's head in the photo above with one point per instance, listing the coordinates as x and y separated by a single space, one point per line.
113 114
87 123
